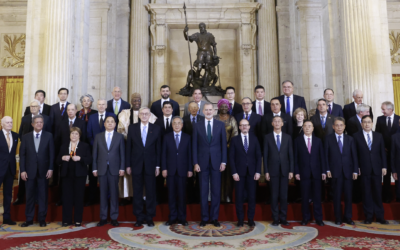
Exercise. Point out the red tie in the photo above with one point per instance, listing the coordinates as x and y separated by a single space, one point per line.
62 108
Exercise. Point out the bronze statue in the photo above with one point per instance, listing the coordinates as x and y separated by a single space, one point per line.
207 60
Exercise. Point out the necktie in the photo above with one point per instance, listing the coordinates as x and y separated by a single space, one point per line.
230 108
198 111
70 124
144 135
329 109
389 123
209 131
309 145
369 142
108 141
37 136
323 121
116 108
8 140
278 143
62 108
177 141
260 112
247 116
246 145
288 105
194 120
101 123
340 144
167 125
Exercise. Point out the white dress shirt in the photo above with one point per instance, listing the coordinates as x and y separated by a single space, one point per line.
391 119
232 102
73 120
179 136
41 108
34 133
327 105
169 120
258 105
141 128
306 140
211 123
291 103
117 102
244 114
112 134
10 137
104 116
248 141
280 138
65 105
366 137
276 114
164 100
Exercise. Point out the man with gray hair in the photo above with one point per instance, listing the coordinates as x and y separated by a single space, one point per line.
116 105
350 110
387 125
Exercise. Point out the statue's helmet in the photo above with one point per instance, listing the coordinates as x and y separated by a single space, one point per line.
202 24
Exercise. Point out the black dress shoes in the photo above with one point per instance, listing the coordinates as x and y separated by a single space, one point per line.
170 222
216 223
183 222
138 223
66 224
251 223
27 223
42 223
102 223
203 223
114 223
320 223
285 223
18 202
304 222
150 223
240 223
338 222
350 222
275 223
9 222
383 221
78 224
367 222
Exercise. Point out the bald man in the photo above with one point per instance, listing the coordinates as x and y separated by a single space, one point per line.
116 105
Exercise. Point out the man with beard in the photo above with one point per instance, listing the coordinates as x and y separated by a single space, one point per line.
156 107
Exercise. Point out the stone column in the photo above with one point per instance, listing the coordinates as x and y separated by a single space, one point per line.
268 71
139 51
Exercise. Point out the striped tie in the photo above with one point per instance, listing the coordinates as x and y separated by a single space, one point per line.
369 142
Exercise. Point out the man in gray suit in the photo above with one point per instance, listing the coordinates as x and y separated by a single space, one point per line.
108 165
197 96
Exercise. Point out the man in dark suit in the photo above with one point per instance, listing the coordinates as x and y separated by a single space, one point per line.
290 102
26 127
44 109
279 168
58 113
176 165
157 106
253 118
193 187
245 162
95 126
236 108
323 122
197 95
333 108
116 105
350 110
395 162
342 167
260 106
387 125
143 159
8 147
309 158
36 163
108 165
372 163
266 123
208 138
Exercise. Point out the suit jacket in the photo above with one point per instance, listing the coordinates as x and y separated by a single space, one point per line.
26 125
63 133
7 157
395 153
382 128
123 105
237 108
309 165
79 167
216 150
341 164
370 162
45 111
188 126
254 120
336 110
267 124
37 164
160 122
278 163
240 161
267 107
93 126
349 110
298 102
177 161
320 132
156 108
115 156
56 116
186 109
353 125
143 158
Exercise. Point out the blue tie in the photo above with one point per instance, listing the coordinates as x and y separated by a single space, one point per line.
177 141
37 136
209 131
340 144
323 121
369 142
144 135
246 145
278 143
108 141
288 105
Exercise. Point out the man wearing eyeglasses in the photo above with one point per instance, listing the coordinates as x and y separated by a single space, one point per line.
248 114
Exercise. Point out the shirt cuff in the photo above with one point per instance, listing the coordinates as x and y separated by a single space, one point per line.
355 173
328 171
223 163
94 171
157 167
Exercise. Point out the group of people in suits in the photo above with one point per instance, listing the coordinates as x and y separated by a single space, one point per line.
143 147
